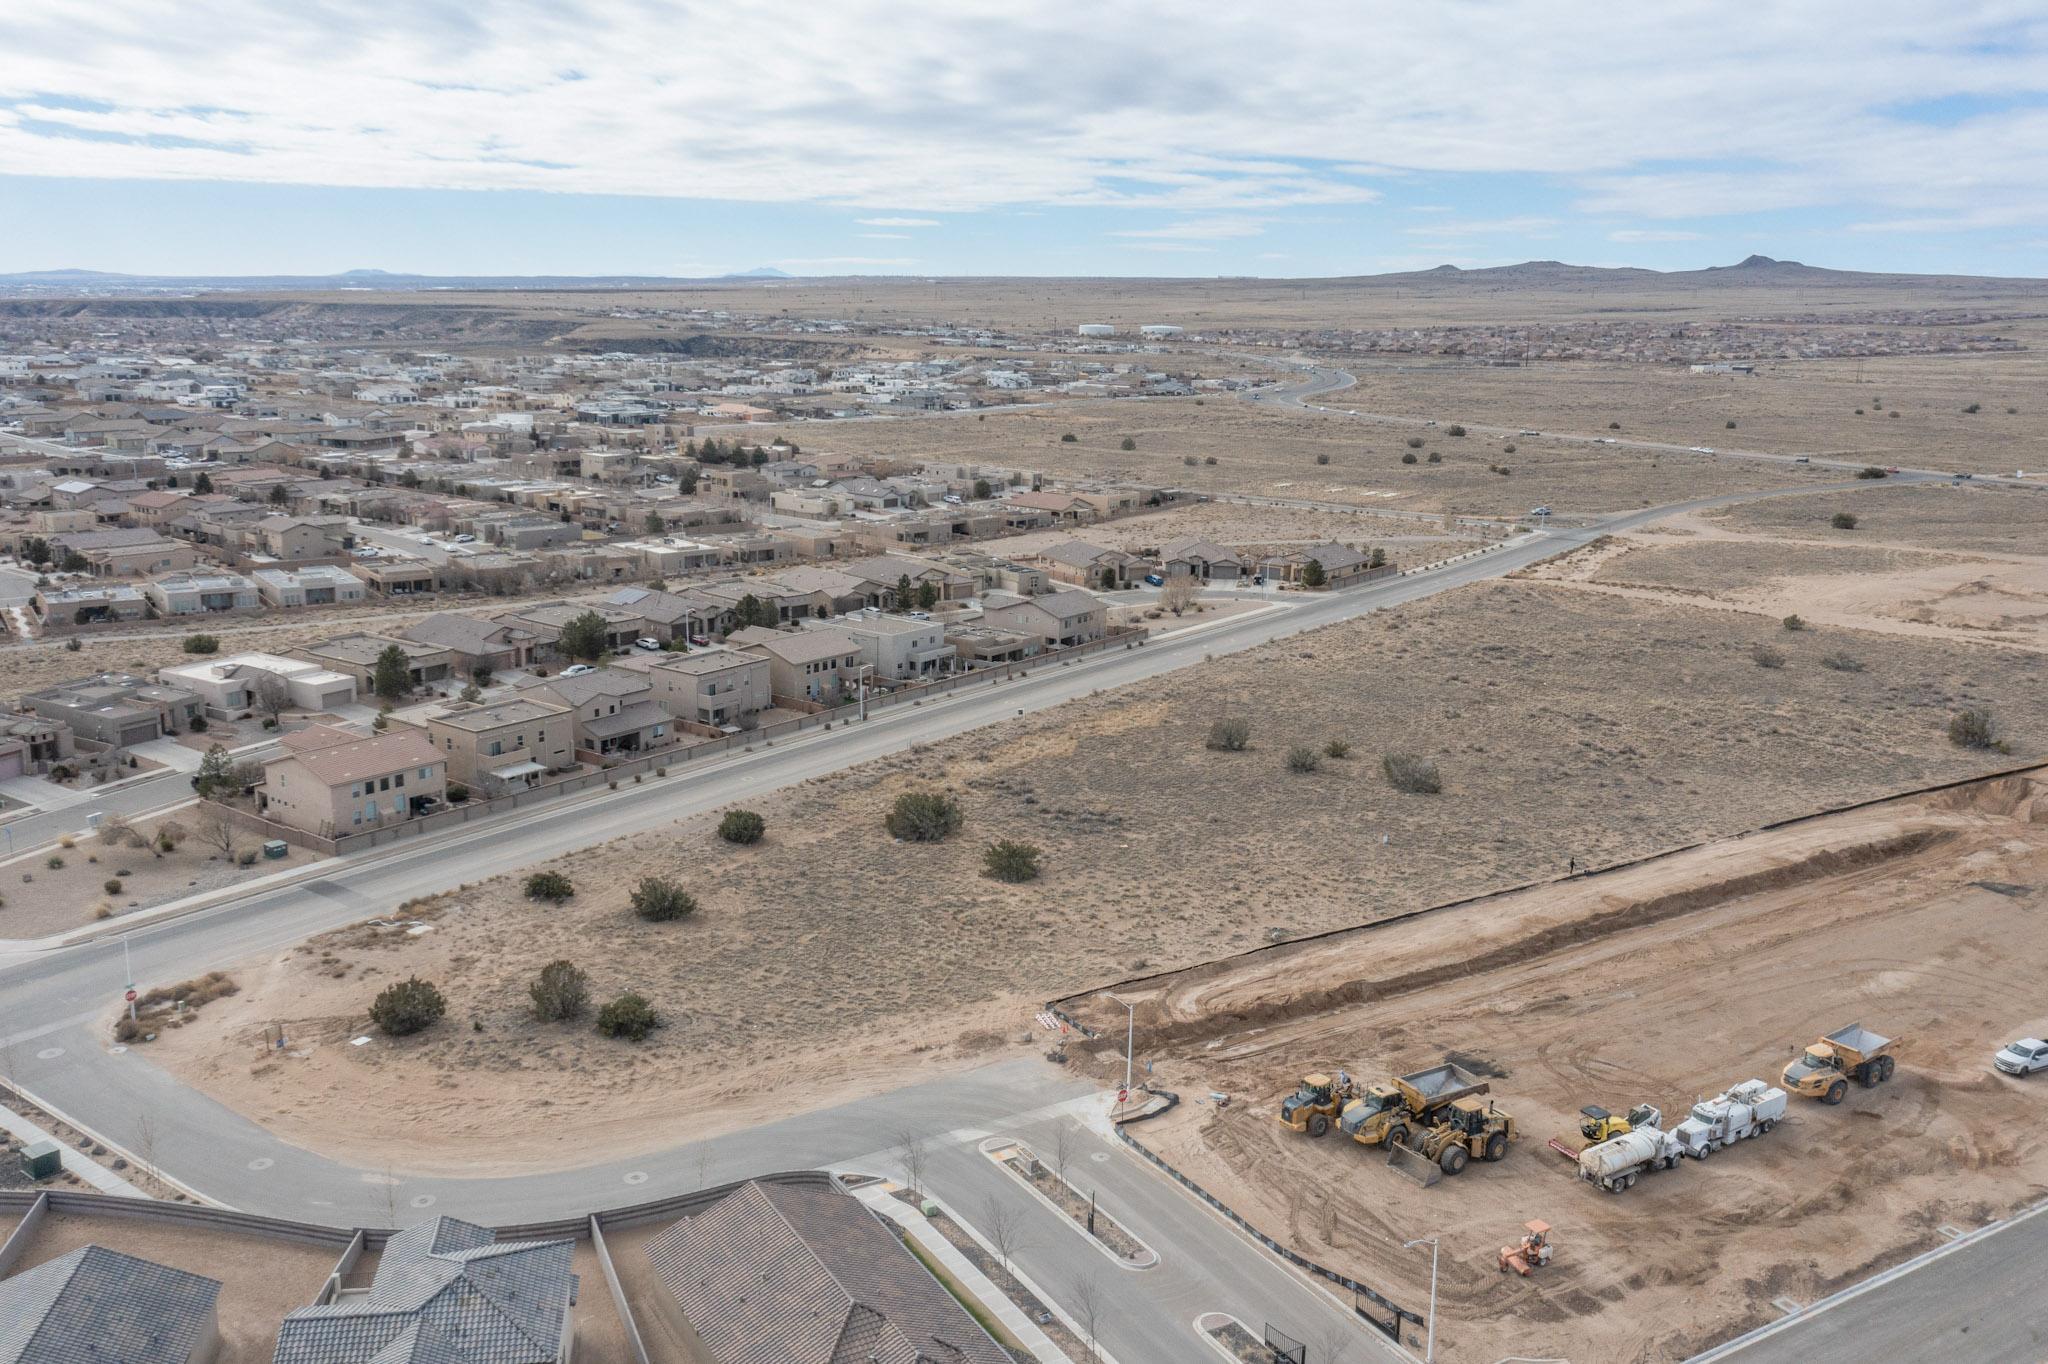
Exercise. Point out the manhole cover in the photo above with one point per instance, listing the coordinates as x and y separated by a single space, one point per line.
49 1053
261 1163
425 1200
637 1177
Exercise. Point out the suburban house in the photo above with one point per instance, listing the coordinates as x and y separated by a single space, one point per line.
838 591
984 646
98 1304
310 585
124 553
806 1274
446 1291
397 576
1338 561
1061 619
116 709
665 615
357 655
293 538
718 686
787 603
1064 508
813 665
501 746
329 782
897 647
85 605
1088 565
30 743
497 645
234 686
884 574
614 711
193 594
546 623
1204 559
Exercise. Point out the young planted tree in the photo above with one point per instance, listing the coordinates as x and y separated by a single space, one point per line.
1312 574
653 524
927 596
273 697
1180 592
216 772
905 594
982 490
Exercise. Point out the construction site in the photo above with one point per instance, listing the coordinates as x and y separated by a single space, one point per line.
1569 1054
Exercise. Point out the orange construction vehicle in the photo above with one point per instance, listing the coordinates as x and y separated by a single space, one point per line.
1528 1254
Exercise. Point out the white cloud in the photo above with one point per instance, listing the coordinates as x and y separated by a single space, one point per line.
1200 229
917 107
1633 235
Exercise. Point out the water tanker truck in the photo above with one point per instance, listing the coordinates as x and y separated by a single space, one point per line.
1615 1163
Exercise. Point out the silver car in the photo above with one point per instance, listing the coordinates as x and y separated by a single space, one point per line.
2023 1057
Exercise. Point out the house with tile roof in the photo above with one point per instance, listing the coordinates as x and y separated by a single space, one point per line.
95 1304
329 782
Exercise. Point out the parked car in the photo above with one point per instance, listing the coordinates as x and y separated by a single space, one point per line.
652 646
465 539
1539 511
700 641
578 670
1801 459
1154 580
2023 1057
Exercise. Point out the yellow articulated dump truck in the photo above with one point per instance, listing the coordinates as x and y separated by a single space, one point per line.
1823 1071
1312 1107
1385 1114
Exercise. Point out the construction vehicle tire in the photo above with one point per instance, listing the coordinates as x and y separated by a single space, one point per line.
1612 1186
1886 1063
1453 1159
1871 1074
1628 1181
1835 1092
1766 1125
1318 1124
1706 1150
1497 1146
1397 1135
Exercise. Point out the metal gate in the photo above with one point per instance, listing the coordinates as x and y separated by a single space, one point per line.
1286 1349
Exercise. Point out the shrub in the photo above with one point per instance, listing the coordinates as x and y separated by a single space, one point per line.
923 817
407 1007
1127 444
1730 426
559 992
629 1016
1508 449
1409 458
1007 860
1973 728
1841 663
551 886
742 826
1503 470
1415 442
246 857
457 793
1844 521
1208 459
198 724
112 885
54 862
1303 759
1974 408
1871 471
1614 426
1068 439
1188 460
1337 748
201 644
1407 772
1230 735
1454 430
1794 623
1434 458
662 901
1322 459
1893 413
1766 657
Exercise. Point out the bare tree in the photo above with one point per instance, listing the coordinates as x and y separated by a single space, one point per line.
1334 1342
1180 592
1003 1229
273 697
390 1198
1084 1299
215 831
146 1144
116 832
913 1161
1063 1146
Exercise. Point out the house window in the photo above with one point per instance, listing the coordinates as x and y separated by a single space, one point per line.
399 780
426 774
355 790
384 785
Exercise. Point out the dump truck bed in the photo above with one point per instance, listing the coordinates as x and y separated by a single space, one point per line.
1439 1085
1858 1039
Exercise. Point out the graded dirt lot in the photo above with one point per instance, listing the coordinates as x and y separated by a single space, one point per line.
1664 981
1565 724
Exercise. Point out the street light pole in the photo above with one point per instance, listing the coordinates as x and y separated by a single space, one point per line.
1429 1348
860 681
1130 1045
128 969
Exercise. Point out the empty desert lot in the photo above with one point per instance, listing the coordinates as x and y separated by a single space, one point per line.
1566 725
1665 982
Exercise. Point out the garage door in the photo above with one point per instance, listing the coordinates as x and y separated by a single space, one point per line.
11 764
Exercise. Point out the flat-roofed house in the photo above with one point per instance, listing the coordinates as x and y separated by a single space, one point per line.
308 585
194 594
234 685
117 709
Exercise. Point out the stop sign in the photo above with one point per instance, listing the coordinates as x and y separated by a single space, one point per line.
1123 1095
131 996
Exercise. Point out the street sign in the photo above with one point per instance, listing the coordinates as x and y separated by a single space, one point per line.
130 996
1123 1096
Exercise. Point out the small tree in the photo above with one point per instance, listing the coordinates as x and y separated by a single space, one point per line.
202 485
653 525
661 901
35 550
1312 574
1766 657
1302 759
216 772
1230 735
923 817
1378 559
116 832
406 1007
743 827
481 675
1180 592
1127 444
273 697
1007 860
1408 772
927 596
550 886
906 595
392 677
169 835
1973 728
561 991
629 1016
751 610
1844 521
471 693
215 831
982 491
584 637
201 644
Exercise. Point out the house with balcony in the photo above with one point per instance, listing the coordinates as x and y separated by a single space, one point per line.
197 594
329 782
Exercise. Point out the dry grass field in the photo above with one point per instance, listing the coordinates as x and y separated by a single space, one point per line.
1567 725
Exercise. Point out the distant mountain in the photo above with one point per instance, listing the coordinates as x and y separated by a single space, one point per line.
1753 271
761 272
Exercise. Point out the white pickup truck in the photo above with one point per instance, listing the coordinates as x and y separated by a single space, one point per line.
2023 1057
1749 1109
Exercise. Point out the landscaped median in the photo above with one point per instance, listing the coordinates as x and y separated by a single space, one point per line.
1052 1188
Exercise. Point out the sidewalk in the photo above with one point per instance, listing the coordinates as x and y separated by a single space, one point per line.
84 1166
960 1267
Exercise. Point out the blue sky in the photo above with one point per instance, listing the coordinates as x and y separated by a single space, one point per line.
681 138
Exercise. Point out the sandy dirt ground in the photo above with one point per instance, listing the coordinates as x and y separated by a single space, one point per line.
1406 539
1565 725
262 1279
1664 982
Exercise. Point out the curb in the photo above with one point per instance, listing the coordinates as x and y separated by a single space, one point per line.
990 1146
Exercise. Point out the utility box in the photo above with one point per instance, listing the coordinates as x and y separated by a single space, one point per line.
42 1160
276 847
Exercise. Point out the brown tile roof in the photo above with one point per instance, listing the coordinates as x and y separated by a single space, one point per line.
335 764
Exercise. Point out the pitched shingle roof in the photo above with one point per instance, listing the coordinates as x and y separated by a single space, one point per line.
95 1304
789 1274
445 1293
